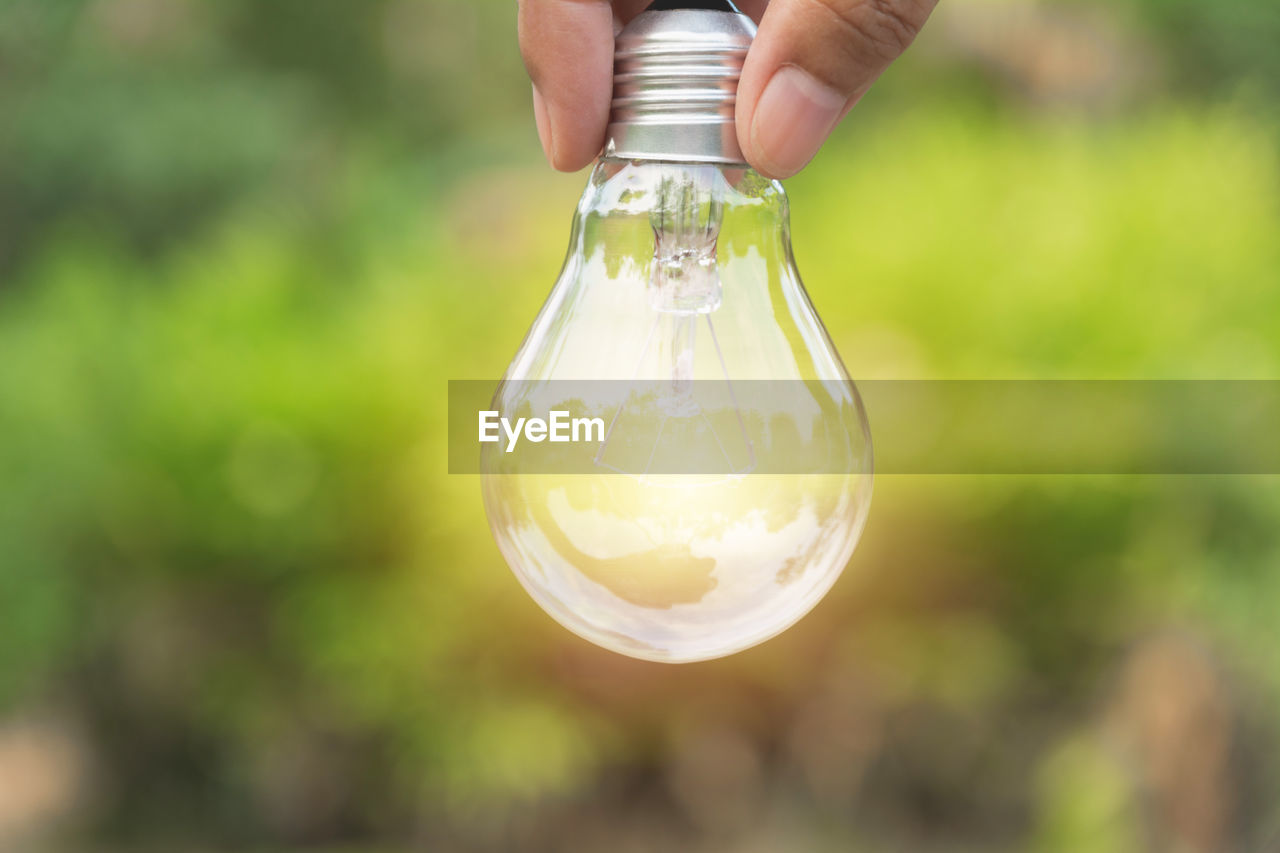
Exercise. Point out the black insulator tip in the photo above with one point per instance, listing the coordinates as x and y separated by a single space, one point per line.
673 5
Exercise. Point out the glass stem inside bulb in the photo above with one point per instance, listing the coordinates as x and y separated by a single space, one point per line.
684 282
684 277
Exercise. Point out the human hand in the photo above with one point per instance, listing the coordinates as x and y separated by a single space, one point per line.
811 61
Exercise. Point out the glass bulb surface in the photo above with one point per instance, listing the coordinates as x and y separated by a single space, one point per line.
733 479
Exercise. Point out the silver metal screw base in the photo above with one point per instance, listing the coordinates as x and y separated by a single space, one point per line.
675 85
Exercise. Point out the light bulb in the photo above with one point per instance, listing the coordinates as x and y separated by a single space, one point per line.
729 476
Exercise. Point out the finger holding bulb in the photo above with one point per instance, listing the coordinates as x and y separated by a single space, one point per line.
811 62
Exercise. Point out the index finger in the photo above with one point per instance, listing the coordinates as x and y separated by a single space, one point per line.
567 47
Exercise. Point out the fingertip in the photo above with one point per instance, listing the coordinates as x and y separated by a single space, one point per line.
791 119
543 121
557 158
568 49
805 71
751 152
575 128
573 144
744 114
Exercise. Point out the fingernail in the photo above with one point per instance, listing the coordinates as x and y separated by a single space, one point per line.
543 120
793 117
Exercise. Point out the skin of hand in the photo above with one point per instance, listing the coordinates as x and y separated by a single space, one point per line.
812 60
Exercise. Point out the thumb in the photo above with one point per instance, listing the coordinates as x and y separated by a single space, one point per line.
810 63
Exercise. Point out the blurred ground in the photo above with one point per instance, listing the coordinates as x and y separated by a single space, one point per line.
242 247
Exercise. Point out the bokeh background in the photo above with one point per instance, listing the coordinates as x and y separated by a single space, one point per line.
243 245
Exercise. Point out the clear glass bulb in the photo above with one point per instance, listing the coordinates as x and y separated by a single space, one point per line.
693 529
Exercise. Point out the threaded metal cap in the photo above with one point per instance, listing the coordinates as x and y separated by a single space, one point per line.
675 85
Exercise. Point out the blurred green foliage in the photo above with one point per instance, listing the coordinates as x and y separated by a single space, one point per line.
147 117
244 246
1218 45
